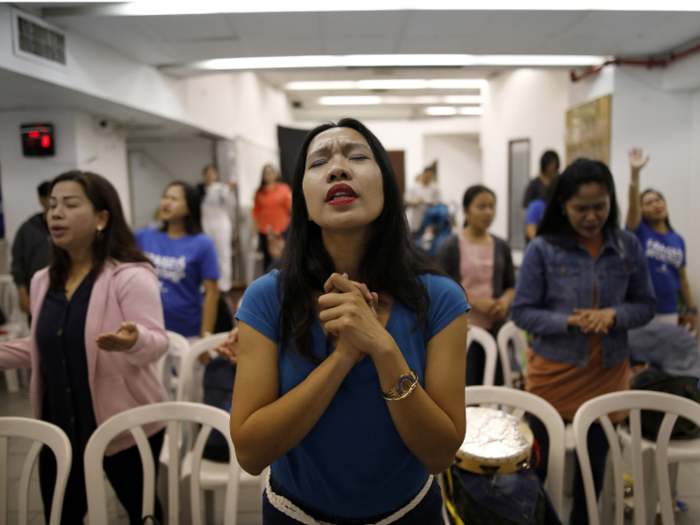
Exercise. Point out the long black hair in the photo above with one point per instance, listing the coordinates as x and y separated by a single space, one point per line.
391 263
193 220
656 192
116 241
582 171
471 194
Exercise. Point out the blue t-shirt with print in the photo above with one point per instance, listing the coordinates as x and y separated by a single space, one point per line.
665 256
181 264
353 462
535 211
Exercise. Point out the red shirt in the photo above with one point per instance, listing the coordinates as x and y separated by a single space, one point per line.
272 208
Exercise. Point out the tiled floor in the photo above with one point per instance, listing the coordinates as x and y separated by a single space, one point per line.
249 498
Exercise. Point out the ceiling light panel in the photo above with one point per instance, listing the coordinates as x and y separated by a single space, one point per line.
344 61
392 83
398 100
349 101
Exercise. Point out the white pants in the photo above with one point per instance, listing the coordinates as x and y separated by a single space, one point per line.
220 233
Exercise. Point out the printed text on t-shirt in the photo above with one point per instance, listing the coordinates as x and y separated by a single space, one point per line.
666 254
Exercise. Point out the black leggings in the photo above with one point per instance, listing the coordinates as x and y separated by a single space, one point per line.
123 470
597 451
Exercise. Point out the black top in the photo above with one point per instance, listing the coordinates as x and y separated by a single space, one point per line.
537 190
30 249
60 337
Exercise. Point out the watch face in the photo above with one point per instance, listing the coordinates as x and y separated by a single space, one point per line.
405 384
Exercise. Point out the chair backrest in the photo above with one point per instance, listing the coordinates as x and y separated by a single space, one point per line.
507 335
187 388
178 345
174 412
538 407
488 343
43 434
9 303
634 401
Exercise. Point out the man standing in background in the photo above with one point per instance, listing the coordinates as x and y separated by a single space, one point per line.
549 169
30 249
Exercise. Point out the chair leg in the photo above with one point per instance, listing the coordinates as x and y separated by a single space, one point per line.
209 507
12 380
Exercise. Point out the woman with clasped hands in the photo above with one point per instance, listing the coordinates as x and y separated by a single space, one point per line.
583 284
97 332
351 357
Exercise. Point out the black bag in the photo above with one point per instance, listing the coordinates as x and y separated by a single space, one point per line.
219 376
653 379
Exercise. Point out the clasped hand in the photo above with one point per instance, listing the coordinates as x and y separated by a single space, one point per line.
593 321
119 341
348 312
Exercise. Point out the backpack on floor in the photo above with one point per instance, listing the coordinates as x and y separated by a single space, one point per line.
650 378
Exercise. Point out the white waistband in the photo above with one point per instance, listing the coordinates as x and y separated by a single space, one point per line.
290 509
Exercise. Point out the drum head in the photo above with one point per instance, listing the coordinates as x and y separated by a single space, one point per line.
495 442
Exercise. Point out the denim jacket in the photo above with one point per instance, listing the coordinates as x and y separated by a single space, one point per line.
557 276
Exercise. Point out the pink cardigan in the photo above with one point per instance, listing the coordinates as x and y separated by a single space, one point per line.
118 380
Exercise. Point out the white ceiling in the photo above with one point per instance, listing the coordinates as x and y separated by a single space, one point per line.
178 39
169 41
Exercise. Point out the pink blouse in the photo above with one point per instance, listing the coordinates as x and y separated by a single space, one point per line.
476 275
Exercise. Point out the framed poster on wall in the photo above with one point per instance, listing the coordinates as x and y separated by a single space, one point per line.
588 131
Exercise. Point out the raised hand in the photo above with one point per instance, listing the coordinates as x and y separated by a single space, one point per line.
637 160
119 341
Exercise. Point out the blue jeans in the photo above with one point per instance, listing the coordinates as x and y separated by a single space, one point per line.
427 512
598 452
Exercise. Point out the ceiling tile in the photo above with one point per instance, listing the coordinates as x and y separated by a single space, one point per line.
436 44
359 45
274 26
446 23
374 24
194 51
190 28
265 46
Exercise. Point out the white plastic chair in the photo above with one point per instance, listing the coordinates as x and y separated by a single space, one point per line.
488 343
524 402
43 434
132 420
179 347
507 335
213 474
634 401
17 322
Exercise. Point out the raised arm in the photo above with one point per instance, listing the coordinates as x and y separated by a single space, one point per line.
634 212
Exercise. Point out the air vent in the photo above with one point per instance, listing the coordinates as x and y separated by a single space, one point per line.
41 41
34 39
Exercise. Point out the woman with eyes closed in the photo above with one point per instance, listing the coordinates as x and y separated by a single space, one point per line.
350 379
583 284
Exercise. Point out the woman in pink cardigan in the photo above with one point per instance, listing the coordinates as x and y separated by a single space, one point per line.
97 332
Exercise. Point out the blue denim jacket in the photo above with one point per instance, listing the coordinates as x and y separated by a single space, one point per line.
558 275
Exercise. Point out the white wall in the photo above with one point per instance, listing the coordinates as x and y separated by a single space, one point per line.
21 175
522 104
666 125
102 150
593 87
459 166
154 165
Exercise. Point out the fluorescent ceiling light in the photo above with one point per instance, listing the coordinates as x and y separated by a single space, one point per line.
442 111
348 101
343 61
389 83
412 101
187 7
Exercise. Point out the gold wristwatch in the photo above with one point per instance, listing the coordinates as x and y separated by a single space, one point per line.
404 387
